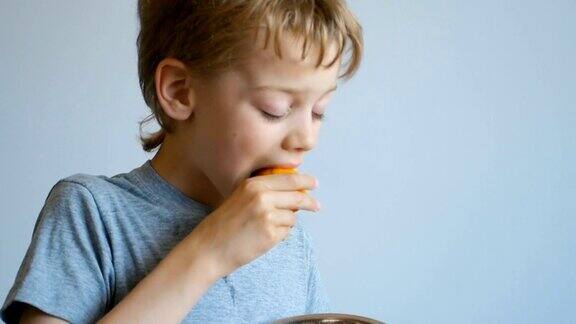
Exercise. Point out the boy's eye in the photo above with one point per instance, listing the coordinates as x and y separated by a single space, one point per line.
271 117
274 118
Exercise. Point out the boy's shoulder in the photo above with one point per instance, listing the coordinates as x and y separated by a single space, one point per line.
80 189
94 180
76 184
96 184
86 180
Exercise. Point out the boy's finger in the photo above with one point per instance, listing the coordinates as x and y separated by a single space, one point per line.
284 217
294 201
288 182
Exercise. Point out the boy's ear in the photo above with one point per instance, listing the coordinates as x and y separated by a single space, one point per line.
174 90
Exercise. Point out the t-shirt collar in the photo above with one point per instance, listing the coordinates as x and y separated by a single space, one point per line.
164 190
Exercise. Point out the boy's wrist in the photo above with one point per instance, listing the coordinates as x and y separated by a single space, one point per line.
197 261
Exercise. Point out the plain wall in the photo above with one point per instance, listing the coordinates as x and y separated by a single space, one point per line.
446 166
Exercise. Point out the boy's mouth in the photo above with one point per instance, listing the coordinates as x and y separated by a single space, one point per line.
276 166
256 172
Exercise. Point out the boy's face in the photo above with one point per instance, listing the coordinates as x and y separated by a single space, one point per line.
231 135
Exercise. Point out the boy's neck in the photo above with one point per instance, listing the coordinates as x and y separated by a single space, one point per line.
180 172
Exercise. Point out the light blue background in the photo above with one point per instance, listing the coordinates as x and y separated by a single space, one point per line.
446 166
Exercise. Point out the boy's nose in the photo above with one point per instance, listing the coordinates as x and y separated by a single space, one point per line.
302 136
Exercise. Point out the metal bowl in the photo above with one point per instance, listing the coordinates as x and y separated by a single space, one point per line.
332 318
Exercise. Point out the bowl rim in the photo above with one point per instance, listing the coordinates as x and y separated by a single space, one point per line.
328 316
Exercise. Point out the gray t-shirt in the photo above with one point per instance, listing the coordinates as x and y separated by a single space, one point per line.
96 237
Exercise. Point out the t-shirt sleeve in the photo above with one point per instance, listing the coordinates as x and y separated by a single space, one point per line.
317 300
67 270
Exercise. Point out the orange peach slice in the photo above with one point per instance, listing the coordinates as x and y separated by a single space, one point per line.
279 171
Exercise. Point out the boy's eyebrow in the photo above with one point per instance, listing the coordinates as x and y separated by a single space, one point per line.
291 90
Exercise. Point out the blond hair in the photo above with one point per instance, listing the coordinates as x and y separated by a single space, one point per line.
207 36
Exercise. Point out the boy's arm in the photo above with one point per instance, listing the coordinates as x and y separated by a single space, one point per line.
66 272
166 295
33 315
170 291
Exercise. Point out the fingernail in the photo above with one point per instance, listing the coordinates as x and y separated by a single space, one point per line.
316 183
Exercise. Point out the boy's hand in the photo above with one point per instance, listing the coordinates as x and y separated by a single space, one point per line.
259 214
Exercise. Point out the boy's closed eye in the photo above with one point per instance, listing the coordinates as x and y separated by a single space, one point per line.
275 108
272 117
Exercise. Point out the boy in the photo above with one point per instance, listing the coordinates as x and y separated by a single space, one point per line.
192 235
